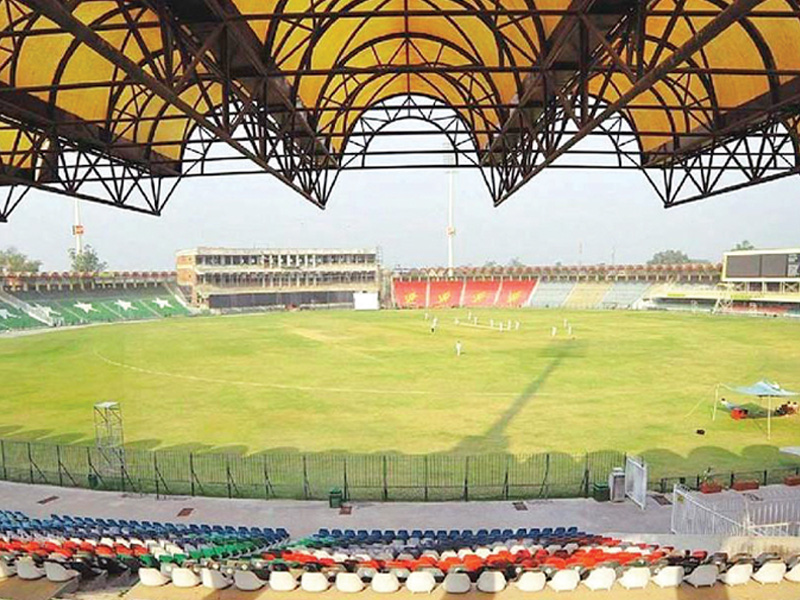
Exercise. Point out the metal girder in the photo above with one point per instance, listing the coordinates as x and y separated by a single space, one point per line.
59 14
730 15
208 47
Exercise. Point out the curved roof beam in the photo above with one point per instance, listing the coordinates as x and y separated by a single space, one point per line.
728 17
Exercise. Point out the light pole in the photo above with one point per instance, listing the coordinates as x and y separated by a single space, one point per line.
77 229
449 159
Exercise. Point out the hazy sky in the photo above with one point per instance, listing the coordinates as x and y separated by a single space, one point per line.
404 212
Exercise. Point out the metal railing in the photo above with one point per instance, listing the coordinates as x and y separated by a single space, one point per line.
769 512
383 477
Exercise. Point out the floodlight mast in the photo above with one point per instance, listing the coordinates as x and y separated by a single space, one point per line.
77 229
449 159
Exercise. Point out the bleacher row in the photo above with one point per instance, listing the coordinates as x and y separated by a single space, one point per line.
511 293
91 306
85 550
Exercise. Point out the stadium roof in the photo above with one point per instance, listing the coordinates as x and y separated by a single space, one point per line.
117 101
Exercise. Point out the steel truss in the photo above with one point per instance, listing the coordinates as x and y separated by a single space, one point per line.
230 102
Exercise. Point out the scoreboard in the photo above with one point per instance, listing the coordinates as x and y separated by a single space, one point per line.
762 265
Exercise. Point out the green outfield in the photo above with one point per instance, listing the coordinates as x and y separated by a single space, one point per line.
381 382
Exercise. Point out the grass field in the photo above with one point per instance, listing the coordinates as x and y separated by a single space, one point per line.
369 382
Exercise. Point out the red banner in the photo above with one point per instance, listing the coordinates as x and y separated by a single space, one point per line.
410 294
480 293
515 292
445 294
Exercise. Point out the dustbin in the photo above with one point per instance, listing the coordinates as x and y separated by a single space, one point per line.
600 492
335 498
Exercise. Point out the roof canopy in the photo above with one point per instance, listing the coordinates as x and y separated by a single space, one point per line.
763 389
116 102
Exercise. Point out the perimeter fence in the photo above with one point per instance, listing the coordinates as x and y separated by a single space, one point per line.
311 476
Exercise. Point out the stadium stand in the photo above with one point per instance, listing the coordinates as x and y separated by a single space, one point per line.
12 317
410 294
72 307
624 294
551 294
83 549
445 294
64 547
515 293
480 293
587 295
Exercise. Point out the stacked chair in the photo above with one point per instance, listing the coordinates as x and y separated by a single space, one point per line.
562 559
462 561
85 550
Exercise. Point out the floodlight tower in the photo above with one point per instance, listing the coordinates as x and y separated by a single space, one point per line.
77 229
450 160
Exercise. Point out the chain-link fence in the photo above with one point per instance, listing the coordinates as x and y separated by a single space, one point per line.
309 476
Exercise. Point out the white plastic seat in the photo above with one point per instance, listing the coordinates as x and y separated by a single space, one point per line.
738 574
448 554
600 578
456 583
213 579
27 569
565 580
491 582
314 582
282 581
703 576
385 583
7 570
420 582
349 583
483 552
793 574
669 576
58 573
401 573
770 572
247 581
183 577
531 581
635 578
152 577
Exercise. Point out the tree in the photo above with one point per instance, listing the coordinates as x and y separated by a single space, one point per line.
744 245
13 260
669 257
515 262
87 261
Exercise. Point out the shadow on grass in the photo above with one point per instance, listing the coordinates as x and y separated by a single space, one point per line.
495 439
